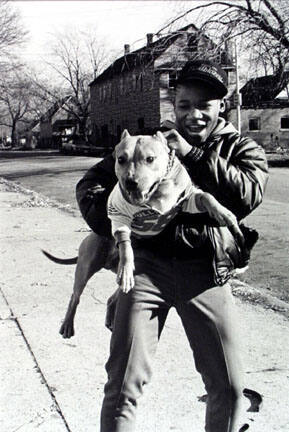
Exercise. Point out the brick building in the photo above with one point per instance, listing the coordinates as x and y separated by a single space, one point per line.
136 91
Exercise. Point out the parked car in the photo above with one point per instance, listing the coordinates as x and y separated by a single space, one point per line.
83 148
68 147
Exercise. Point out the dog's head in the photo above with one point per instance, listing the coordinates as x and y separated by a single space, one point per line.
141 162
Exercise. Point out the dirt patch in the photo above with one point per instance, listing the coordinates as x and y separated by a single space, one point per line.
34 199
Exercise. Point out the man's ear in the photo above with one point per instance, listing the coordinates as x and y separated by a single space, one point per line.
223 105
125 134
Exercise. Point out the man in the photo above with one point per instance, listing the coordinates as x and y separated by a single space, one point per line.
189 263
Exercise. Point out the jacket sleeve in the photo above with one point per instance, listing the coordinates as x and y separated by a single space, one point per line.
235 172
92 192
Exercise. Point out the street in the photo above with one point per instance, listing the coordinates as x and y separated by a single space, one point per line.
53 176
56 177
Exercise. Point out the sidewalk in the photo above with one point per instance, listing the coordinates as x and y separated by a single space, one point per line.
55 385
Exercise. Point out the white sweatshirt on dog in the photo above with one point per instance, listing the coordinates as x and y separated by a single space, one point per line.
145 220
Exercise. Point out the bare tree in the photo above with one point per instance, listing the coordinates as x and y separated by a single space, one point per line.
12 32
260 28
15 101
77 58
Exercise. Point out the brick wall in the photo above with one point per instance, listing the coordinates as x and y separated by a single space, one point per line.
122 103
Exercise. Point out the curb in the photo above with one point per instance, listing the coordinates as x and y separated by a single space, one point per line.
240 289
28 153
255 296
36 199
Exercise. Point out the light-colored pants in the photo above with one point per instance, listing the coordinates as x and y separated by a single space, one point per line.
209 318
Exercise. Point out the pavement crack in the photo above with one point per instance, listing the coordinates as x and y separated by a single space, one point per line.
37 367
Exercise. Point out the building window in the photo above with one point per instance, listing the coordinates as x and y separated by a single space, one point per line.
118 132
172 79
134 81
284 122
121 86
107 91
140 123
128 82
254 124
104 131
104 92
140 82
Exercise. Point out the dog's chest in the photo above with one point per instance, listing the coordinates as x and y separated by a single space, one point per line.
150 222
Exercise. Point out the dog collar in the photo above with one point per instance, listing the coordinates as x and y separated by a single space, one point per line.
171 161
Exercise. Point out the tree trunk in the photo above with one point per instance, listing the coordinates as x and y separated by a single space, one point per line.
83 129
13 135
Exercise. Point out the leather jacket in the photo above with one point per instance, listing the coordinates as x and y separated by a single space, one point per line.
230 167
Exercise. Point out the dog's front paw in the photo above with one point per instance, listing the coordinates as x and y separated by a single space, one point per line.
125 278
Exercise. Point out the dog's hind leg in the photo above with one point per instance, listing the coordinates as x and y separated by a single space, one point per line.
94 254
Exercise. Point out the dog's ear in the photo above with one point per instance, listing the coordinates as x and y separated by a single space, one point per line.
125 134
161 137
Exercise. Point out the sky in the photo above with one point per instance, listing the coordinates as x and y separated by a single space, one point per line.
119 22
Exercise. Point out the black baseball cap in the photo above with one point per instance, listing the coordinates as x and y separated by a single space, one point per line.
206 71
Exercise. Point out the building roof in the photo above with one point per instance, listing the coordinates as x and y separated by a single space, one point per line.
143 56
49 113
263 90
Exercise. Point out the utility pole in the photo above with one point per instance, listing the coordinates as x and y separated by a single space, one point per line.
238 99
238 96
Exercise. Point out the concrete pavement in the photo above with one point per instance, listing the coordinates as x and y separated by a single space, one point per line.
52 384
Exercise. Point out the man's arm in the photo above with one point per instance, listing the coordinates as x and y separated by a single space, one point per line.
237 180
92 192
234 171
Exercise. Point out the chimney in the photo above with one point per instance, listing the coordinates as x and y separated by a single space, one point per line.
126 49
150 37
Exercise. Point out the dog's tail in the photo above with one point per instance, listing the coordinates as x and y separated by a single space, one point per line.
64 261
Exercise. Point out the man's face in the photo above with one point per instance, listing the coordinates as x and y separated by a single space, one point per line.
197 110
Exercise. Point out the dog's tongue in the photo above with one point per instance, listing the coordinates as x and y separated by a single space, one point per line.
137 198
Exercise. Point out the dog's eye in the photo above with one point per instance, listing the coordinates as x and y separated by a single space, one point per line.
121 160
150 159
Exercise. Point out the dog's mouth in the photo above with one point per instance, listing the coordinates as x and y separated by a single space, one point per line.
139 197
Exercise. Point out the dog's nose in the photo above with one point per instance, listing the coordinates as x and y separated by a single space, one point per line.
131 185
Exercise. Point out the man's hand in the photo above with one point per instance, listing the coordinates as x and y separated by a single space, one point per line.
125 270
177 142
224 217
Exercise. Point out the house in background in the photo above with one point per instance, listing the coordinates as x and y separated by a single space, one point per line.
265 111
52 128
136 91
55 124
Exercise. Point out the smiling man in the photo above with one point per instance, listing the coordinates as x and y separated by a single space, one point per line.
186 266
199 100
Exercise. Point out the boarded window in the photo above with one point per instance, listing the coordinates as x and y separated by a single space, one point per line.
284 122
254 124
